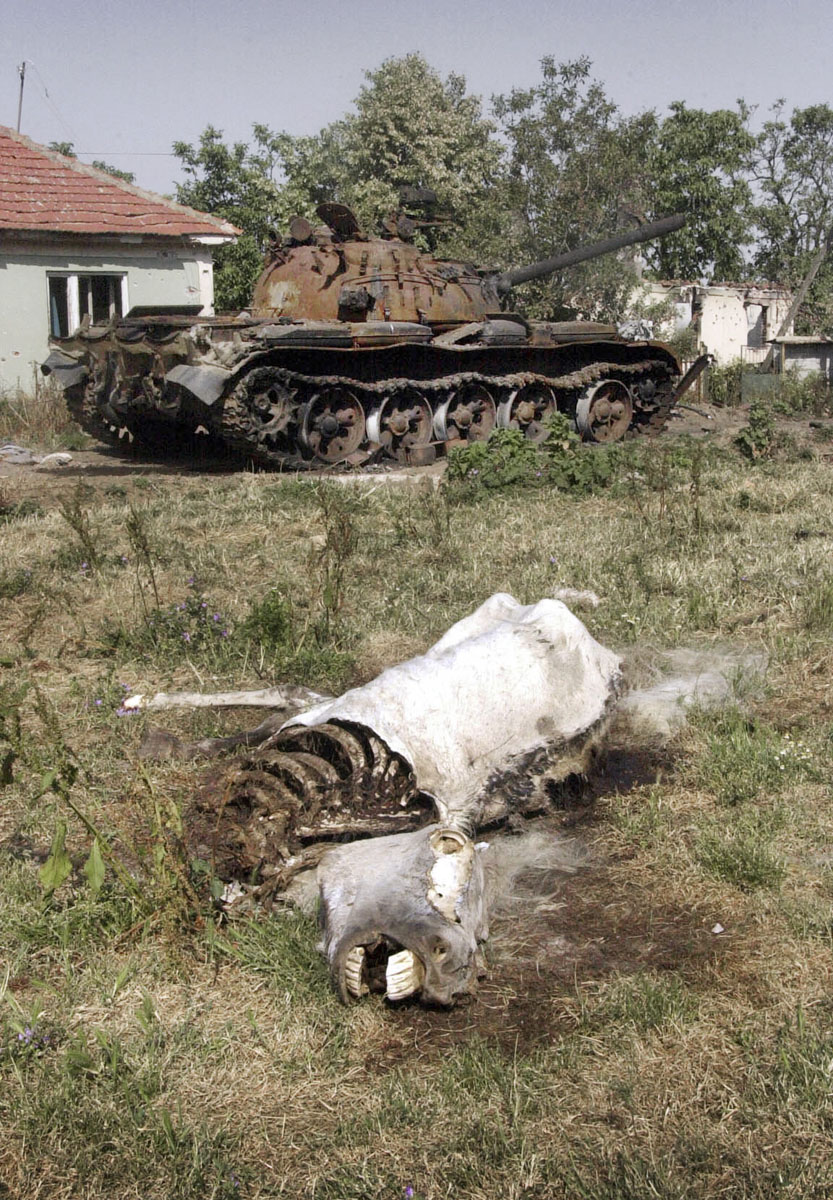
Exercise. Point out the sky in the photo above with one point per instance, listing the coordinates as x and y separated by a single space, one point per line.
123 80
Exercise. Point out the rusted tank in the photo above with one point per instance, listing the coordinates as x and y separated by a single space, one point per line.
358 348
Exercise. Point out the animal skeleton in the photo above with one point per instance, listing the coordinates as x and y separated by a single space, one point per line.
408 767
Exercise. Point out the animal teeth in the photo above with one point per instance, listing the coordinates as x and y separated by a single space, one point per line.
403 975
353 973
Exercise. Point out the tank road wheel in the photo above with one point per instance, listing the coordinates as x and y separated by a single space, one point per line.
527 409
604 411
401 422
256 416
332 425
469 414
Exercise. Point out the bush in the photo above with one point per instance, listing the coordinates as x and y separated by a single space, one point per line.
724 384
508 459
758 439
803 394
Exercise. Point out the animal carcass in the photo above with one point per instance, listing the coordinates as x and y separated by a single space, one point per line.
510 700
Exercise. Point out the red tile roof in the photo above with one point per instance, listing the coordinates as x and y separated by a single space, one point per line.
43 191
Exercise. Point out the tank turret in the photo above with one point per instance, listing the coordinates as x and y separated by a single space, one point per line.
338 273
358 348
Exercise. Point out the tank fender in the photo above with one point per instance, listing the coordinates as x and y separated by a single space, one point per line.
68 371
207 383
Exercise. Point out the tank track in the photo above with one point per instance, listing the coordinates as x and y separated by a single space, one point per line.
82 405
260 416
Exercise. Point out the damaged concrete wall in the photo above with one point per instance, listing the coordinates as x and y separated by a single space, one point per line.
732 320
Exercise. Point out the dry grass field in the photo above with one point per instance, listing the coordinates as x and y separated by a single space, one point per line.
658 1016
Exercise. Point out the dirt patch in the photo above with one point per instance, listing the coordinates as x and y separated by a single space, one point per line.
562 931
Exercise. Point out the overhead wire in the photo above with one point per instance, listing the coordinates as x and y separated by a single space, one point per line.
49 99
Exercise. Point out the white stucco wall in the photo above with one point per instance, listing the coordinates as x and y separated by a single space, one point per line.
732 321
179 274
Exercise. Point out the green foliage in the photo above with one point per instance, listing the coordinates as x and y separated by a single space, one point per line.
68 149
759 438
410 127
76 514
269 622
58 865
116 172
11 729
641 1001
17 510
93 1107
724 384
744 758
189 628
803 394
15 582
818 606
794 174
742 855
234 183
698 165
505 459
573 171
508 459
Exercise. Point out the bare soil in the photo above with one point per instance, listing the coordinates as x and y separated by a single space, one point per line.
107 466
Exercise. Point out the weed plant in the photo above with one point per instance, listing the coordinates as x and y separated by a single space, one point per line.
724 384
39 418
509 459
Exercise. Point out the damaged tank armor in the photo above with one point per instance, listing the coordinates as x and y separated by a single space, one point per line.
385 787
358 348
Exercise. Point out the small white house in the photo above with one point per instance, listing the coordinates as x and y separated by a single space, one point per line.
77 241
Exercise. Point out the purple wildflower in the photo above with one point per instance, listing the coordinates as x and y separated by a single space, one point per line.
409 1191
186 637
216 617
98 703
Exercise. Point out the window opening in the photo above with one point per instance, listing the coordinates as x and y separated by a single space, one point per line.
58 306
73 297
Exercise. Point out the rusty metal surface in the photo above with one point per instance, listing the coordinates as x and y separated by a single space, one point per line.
357 348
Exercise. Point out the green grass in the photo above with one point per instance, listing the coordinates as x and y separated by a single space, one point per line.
620 1049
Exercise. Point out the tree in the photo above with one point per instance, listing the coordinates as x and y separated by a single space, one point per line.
699 165
409 127
793 171
234 183
575 173
68 150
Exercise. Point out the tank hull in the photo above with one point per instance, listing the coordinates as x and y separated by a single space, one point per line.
302 395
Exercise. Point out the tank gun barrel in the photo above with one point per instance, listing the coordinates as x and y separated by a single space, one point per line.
645 233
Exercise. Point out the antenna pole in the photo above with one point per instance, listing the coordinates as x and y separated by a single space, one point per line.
21 70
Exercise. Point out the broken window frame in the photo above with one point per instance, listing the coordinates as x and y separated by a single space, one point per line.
82 295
